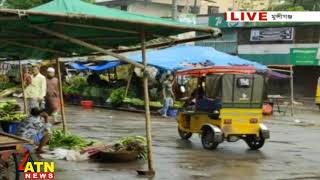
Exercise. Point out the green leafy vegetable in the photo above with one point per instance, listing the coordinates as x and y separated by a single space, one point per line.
9 111
117 96
68 141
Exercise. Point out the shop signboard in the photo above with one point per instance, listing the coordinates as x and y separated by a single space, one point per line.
272 34
304 56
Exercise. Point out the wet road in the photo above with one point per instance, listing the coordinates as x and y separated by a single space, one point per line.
291 153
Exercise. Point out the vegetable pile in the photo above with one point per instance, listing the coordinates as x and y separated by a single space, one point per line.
67 141
75 85
117 96
9 112
157 104
130 144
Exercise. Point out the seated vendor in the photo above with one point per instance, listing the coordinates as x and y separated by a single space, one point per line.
36 128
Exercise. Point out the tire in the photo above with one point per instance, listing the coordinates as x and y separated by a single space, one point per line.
184 135
9 170
254 142
207 139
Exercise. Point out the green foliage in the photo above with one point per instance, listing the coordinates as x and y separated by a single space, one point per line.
297 5
296 8
27 4
67 141
9 111
287 7
7 85
75 85
117 96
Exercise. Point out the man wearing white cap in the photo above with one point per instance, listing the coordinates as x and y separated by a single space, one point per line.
52 96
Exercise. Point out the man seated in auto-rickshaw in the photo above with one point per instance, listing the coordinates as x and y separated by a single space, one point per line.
198 101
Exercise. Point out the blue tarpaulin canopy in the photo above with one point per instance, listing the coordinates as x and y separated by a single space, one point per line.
181 57
105 66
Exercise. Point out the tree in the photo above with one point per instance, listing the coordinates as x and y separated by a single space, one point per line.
297 5
27 4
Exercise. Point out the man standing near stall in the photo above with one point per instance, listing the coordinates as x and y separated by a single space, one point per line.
52 98
36 90
168 95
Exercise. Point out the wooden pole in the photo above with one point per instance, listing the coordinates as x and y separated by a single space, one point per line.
63 117
291 88
25 108
146 105
87 45
129 81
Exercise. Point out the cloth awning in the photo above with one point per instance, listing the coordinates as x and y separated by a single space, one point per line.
184 57
104 27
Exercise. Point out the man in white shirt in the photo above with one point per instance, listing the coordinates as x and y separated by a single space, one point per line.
36 90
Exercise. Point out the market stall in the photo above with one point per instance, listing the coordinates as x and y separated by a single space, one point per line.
63 28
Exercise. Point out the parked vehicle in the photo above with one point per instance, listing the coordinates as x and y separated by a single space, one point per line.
228 106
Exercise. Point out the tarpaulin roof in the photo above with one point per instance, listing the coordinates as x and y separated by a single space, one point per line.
105 27
181 57
105 66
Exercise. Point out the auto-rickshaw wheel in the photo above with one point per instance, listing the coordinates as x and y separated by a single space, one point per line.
183 134
9 169
254 142
207 139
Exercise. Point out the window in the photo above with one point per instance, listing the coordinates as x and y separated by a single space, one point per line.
243 82
213 10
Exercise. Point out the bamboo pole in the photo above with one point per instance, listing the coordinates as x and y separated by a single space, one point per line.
87 45
63 117
129 81
146 105
291 88
25 108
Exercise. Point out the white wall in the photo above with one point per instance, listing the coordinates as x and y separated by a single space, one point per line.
157 10
272 48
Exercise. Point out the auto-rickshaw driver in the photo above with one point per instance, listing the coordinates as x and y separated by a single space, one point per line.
198 101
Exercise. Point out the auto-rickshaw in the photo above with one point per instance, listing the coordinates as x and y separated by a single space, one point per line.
318 94
230 107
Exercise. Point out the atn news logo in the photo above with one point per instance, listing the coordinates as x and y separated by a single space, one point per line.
272 16
36 170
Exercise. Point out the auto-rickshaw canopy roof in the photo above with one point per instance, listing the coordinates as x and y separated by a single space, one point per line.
105 27
198 72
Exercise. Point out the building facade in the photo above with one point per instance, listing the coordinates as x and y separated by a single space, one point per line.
163 8
294 44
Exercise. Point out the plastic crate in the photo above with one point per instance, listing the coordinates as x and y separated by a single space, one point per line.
10 127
